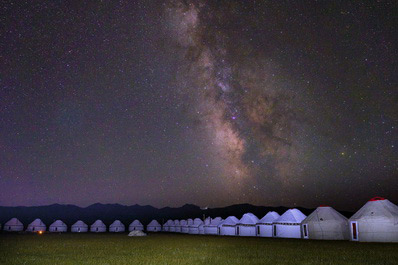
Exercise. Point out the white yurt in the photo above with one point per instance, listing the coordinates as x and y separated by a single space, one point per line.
79 227
212 227
154 226
167 225
136 225
201 229
13 225
58 226
98 227
194 227
228 226
264 225
184 226
376 221
325 223
117 227
171 225
173 228
36 225
247 225
288 224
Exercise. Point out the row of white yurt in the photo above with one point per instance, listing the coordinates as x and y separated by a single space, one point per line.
14 225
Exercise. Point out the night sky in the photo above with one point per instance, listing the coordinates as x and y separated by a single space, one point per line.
213 103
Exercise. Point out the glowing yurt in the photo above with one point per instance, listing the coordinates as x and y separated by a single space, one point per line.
194 227
264 225
79 227
376 221
167 226
36 226
325 223
288 224
228 226
117 227
212 227
173 227
13 225
136 225
201 229
154 226
58 226
247 225
184 226
177 226
98 227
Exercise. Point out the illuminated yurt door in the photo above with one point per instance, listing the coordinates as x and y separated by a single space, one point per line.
305 231
354 230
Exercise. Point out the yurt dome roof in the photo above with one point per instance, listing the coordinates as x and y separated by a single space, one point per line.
291 216
269 217
248 218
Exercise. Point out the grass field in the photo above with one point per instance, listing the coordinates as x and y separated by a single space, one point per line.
100 249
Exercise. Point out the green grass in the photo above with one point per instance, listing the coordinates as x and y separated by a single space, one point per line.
101 249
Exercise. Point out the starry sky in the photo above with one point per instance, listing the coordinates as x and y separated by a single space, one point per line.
214 103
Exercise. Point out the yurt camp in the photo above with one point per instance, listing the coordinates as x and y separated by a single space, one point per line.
36 226
98 227
154 226
136 225
79 227
58 226
376 221
228 226
117 227
177 226
247 225
194 227
288 224
264 225
325 223
212 227
13 225
184 226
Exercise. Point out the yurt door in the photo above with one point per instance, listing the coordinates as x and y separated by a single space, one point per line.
354 230
305 231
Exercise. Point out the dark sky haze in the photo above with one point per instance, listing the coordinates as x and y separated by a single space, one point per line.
291 103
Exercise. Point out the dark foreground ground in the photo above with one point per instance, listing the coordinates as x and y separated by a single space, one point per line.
98 249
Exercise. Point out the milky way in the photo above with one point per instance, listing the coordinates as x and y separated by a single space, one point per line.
251 118
198 101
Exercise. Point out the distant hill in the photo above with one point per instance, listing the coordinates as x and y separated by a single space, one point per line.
110 212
